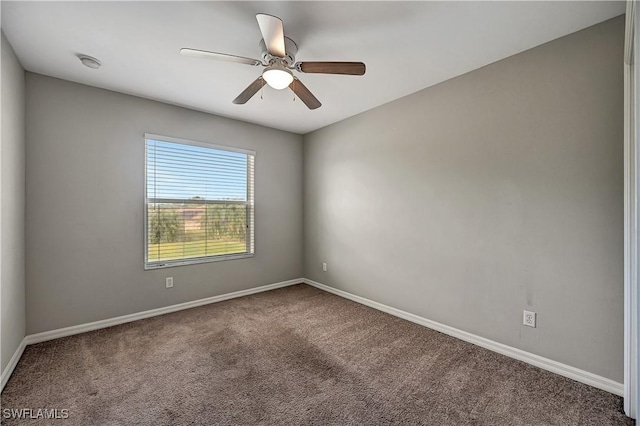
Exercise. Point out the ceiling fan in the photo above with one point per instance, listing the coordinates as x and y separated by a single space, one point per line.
278 58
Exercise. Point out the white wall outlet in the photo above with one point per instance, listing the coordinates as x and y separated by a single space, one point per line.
324 267
169 282
529 319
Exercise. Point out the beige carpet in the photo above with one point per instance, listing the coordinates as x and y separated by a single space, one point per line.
296 355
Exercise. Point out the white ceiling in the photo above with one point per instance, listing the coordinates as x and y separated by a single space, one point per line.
407 46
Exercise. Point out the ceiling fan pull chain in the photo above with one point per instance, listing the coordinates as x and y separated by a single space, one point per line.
262 92
293 90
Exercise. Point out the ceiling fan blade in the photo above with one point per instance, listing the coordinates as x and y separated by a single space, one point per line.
304 94
219 56
348 68
272 33
250 91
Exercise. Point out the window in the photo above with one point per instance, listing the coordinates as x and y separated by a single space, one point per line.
198 202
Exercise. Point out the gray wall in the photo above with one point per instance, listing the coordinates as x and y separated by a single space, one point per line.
12 184
496 191
85 175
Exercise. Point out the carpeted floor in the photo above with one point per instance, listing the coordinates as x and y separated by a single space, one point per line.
296 355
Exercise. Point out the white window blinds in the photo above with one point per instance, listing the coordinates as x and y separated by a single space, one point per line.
199 202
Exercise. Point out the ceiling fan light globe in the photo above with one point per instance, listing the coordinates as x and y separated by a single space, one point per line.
278 78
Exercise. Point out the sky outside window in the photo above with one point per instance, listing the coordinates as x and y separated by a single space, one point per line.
181 171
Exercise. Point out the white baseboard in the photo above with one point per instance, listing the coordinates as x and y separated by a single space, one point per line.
576 374
536 360
96 325
6 373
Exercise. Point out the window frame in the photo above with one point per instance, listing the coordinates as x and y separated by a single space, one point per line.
250 205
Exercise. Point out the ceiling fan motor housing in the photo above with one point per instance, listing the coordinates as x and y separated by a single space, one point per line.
290 47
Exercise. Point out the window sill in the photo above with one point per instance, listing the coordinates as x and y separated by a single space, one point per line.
172 263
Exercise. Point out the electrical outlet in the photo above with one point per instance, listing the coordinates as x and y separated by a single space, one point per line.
169 282
324 267
529 319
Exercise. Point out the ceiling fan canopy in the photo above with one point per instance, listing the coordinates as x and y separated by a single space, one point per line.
278 60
